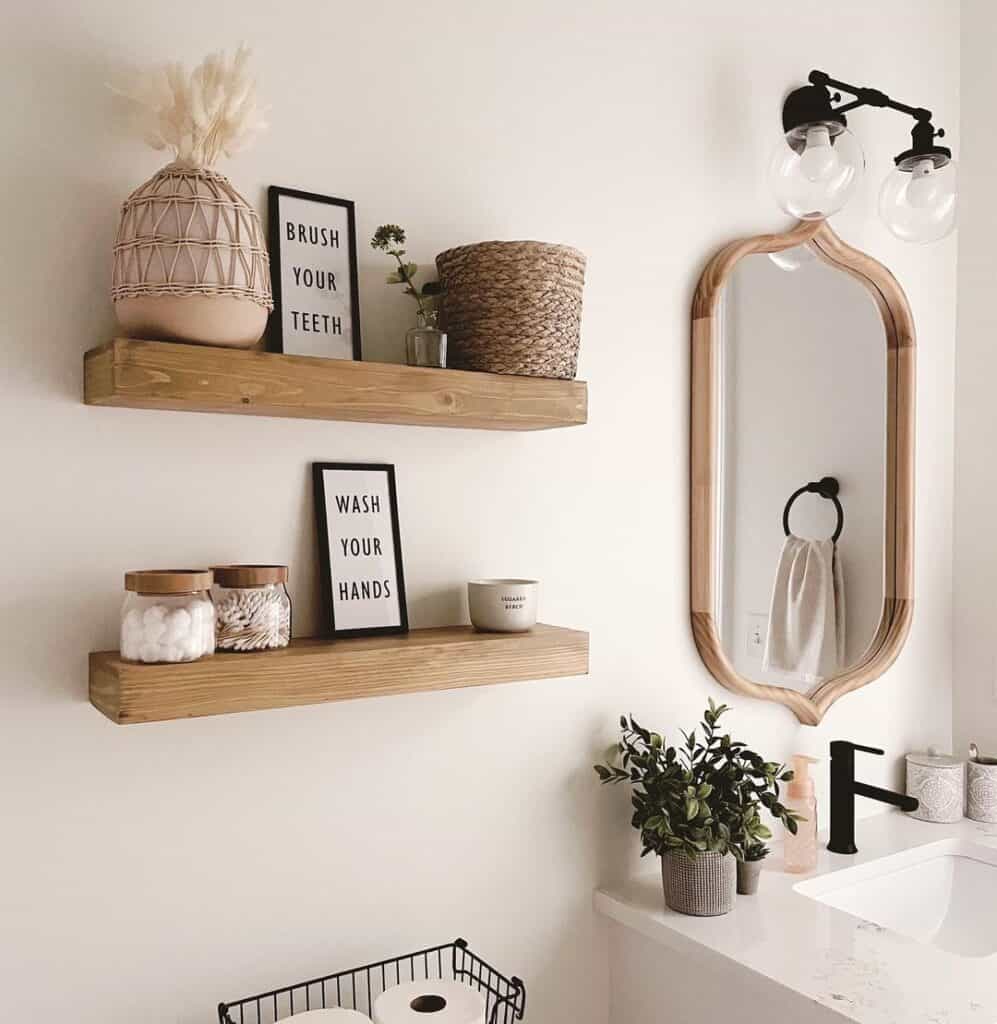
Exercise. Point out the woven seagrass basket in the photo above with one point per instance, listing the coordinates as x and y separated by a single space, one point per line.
703 887
513 307
190 261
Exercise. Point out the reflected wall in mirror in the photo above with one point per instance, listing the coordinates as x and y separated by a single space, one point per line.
802 468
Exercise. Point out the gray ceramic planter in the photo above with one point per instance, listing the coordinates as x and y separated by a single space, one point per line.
748 874
703 887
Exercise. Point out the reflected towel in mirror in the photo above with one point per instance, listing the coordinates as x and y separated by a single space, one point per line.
806 629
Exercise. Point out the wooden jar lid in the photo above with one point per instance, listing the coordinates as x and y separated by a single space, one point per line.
168 581
238 576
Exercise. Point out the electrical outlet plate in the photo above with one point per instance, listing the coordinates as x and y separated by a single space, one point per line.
756 626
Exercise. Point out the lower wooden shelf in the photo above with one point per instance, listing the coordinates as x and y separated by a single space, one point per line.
316 671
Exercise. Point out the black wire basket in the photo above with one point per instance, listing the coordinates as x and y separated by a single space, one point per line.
357 989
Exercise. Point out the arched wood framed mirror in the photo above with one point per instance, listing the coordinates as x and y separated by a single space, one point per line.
802 388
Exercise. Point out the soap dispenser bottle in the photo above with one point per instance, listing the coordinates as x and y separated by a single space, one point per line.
801 849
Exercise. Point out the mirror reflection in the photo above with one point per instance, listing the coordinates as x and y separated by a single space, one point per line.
801 469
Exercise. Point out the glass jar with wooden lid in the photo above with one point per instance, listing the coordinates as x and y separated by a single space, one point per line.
252 607
167 615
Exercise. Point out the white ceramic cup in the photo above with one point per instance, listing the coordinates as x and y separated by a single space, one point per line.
503 606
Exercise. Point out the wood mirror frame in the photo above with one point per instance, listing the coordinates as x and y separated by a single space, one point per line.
898 583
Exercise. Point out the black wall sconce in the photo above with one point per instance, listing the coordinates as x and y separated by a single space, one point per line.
819 163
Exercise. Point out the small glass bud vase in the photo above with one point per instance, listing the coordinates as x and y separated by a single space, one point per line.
426 344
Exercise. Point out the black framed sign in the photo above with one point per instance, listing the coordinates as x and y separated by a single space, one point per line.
313 267
363 586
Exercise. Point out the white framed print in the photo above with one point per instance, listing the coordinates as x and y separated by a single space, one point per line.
363 584
313 267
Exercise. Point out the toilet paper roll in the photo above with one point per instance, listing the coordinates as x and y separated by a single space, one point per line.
430 1002
329 1016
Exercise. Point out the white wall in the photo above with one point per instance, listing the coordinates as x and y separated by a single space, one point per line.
805 373
975 689
148 872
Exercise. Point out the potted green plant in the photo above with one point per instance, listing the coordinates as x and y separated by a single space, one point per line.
425 344
697 806
749 869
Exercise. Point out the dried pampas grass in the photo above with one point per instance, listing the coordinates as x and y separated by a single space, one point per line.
199 115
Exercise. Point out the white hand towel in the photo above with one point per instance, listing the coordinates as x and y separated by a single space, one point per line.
806 634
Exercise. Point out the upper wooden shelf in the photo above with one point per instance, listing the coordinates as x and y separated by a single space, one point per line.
198 378
316 671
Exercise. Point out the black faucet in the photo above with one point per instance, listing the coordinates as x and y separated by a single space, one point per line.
843 791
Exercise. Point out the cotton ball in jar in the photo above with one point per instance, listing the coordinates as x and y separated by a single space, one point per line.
149 653
178 625
192 649
131 635
154 624
154 613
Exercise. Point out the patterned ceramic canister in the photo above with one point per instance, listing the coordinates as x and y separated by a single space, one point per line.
938 783
982 792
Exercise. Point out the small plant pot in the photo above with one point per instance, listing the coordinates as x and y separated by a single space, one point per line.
702 887
748 873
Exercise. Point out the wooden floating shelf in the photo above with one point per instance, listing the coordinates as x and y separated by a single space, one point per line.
316 671
197 378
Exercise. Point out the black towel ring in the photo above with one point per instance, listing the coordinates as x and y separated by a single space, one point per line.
826 487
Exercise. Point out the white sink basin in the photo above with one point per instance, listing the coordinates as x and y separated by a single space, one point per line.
943 894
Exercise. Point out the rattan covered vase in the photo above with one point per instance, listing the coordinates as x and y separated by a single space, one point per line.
191 262
513 307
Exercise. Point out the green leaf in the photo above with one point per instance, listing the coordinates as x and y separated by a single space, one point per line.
691 808
394 278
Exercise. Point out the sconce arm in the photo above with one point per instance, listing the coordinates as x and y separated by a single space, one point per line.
865 97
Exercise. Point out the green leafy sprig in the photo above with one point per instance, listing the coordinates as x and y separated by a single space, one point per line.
390 238
756 851
703 795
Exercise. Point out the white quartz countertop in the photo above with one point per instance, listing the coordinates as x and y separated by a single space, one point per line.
859 969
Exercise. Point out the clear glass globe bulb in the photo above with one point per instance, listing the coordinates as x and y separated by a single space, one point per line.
918 200
815 169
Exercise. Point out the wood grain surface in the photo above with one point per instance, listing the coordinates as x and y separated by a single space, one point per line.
898 603
198 378
317 671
